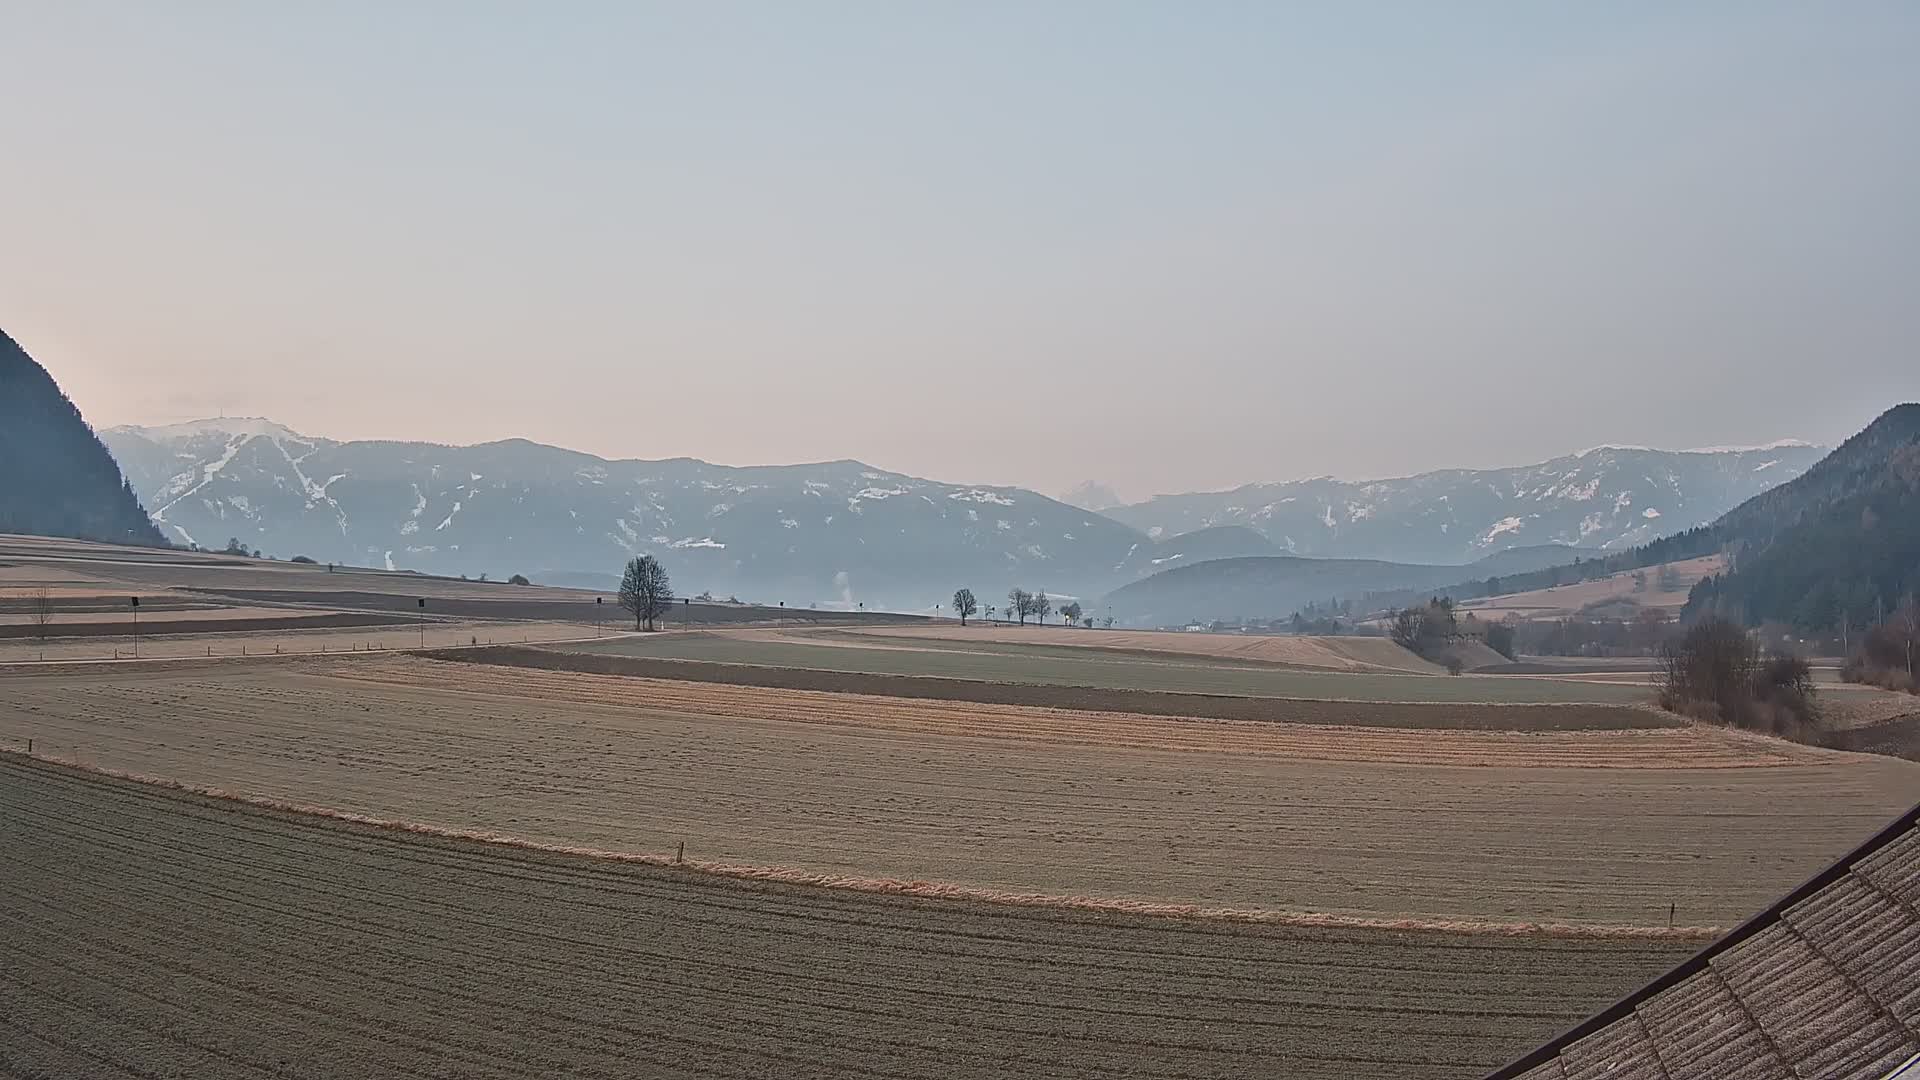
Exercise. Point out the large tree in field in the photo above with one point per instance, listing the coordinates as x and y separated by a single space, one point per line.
964 604
1020 603
1071 612
645 591
1042 607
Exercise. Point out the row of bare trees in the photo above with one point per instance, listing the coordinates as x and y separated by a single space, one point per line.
1021 605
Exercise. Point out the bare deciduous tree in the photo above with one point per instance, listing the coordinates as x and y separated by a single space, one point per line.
1019 604
964 604
40 610
1042 607
1904 624
645 591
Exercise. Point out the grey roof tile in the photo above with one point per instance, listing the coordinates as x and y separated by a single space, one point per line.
1825 984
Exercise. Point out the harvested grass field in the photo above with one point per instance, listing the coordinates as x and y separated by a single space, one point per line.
1576 827
150 932
1042 665
1455 715
1329 653
1562 600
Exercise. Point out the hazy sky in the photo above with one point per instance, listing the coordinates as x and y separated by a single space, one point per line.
1167 246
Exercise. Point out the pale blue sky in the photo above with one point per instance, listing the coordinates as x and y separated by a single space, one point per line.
1167 246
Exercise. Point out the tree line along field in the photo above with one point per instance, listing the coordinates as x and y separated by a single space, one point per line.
1040 663
1483 826
155 932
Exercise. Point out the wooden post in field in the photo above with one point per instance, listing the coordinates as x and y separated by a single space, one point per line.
136 625
29 747
1671 908
681 855
423 622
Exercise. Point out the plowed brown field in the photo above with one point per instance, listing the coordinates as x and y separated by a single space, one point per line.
1583 827
147 932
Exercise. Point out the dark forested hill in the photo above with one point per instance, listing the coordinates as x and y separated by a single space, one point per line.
1839 544
1836 545
56 479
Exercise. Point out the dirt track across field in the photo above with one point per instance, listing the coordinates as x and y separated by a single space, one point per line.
157 933
1577 827
200 622
301 637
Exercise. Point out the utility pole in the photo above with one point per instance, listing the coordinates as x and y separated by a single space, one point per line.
423 622
597 602
135 601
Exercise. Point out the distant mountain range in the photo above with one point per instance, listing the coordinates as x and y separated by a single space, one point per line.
1608 498
56 479
834 532
848 533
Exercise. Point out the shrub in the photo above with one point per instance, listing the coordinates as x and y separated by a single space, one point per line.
518 579
1713 672
1712 663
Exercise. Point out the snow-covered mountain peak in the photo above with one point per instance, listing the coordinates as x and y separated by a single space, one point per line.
514 506
1606 497
249 426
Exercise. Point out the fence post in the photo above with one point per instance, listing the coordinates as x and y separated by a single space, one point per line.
29 747
680 856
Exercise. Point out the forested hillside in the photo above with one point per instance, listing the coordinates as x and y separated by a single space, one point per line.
56 479
1835 547
1841 545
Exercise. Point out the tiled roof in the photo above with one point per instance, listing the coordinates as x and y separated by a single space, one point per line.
1826 983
